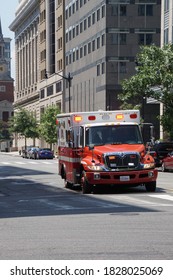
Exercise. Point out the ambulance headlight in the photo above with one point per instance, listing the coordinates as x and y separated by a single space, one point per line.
149 165
96 167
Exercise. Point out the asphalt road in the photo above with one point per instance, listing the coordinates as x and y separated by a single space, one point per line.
40 219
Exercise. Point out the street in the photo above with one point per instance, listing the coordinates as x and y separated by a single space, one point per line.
40 219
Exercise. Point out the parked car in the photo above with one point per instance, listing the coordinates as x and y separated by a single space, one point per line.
24 151
167 162
44 153
32 153
160 150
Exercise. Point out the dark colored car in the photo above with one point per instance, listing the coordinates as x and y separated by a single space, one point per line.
160 150
44 153
167 163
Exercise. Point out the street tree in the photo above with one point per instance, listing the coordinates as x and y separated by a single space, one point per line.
24 123
153 79
47 127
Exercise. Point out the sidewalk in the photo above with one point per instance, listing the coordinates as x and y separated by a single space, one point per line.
16 153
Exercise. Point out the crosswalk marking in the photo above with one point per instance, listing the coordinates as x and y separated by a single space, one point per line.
163 196
143 202
24 163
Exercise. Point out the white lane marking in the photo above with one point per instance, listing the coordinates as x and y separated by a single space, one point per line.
139 201
163 196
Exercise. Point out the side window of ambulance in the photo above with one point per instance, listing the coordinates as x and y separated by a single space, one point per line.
69 138
81 135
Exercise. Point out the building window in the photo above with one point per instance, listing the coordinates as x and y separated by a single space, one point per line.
93 45
58 87
77 30
98 70
85 50
103 39
81 27
67 60
77 5
42 93
2 88
89 47
103 67
49 90
81 52
89 21
166 39
93 18
98 14
103 11
119 38
5 116
77 54
85 24
123 68
145 10
145 39
73 56
166 5
119 10
98 42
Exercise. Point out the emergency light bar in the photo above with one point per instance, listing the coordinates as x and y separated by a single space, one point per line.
77 118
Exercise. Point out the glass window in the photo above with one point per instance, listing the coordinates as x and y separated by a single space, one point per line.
98 70
93 45
98 14
93 18
98 42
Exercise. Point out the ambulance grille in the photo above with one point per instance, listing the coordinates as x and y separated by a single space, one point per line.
122 161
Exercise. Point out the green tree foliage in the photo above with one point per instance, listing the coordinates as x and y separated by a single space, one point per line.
47 127
24 123
154 71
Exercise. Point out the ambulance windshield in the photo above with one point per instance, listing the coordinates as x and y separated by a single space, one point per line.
113 134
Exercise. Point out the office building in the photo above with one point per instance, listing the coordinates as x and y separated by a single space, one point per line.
75 53
6 91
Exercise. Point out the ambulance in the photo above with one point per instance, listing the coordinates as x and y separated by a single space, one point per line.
103 148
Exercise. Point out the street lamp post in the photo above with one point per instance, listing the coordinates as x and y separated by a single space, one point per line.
68 79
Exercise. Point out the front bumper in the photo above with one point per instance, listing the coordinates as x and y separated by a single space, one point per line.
136 177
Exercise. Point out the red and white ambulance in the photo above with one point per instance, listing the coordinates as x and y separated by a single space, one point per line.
104 148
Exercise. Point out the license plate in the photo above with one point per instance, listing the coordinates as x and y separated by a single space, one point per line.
124 178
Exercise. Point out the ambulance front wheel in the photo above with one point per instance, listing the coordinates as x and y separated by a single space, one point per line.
150 186
86 187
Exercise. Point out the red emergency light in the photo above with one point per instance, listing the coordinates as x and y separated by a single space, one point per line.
133 116
91 118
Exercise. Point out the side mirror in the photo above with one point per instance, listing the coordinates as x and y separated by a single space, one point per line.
91 147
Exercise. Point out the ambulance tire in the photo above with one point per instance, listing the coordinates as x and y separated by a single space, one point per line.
67 185
150 186
86 187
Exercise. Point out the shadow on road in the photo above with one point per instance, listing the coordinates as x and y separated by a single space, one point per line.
23 197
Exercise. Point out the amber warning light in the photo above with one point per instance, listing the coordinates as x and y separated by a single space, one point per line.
120 117
77 118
